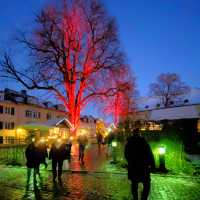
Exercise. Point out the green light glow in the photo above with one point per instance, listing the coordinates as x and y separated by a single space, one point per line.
114 143
161 150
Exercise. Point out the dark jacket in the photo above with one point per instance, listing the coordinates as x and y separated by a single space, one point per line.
58 152
42 152
31 156
139 156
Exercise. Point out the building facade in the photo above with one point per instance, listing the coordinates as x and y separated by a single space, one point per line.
22 114
150 112
18 108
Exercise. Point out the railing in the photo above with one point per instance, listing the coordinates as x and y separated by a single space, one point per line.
13 154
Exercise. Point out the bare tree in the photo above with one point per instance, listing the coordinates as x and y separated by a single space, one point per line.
168 88
120 105
75 53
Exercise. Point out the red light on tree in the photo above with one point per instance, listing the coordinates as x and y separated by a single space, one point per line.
76 54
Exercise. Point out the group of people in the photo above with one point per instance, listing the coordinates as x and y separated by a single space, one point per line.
60 150
36 154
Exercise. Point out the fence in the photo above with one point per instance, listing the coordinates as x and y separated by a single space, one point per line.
13 154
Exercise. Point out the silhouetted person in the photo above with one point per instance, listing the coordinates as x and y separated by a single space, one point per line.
32 161
82 141
58 155
42 152
68 149
141 161
99 140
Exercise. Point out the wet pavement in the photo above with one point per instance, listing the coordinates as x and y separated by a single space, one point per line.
97 180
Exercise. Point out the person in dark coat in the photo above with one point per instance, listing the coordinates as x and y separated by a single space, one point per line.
82 141
68 149
32 161
42 152
58 155
99 140
140 161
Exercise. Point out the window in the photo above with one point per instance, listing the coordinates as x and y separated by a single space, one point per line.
6 125
12 111
32 114
10 140
9 125
1 139
1 109
1 125
12 126
7 110
28 113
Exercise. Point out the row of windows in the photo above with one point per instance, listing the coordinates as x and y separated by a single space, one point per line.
7 140
28 113
7 110
32 114
35 114
88 120
7 125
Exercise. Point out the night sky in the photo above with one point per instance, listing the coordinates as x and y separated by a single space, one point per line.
157 35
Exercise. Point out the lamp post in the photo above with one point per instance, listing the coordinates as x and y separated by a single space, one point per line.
114 148
161 151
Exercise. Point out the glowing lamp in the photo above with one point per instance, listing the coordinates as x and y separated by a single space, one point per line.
42 140
161 150
59 140
71 138
114 143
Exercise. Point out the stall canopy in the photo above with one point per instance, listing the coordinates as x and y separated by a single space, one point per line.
46 125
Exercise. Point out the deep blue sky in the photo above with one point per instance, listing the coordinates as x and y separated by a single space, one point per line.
157 35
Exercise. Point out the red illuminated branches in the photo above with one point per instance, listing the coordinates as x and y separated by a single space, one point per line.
120 104
76 55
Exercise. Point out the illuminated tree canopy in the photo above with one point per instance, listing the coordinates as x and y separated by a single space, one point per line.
75 54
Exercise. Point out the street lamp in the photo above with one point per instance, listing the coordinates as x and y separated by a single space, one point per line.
114 143
114 150
162 151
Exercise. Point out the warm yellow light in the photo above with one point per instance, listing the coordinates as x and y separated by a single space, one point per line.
52 137
71 138
109 130
42 140
59 140
19 130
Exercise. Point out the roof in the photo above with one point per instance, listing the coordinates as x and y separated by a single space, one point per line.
182 112
58 121
46 125
152 102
